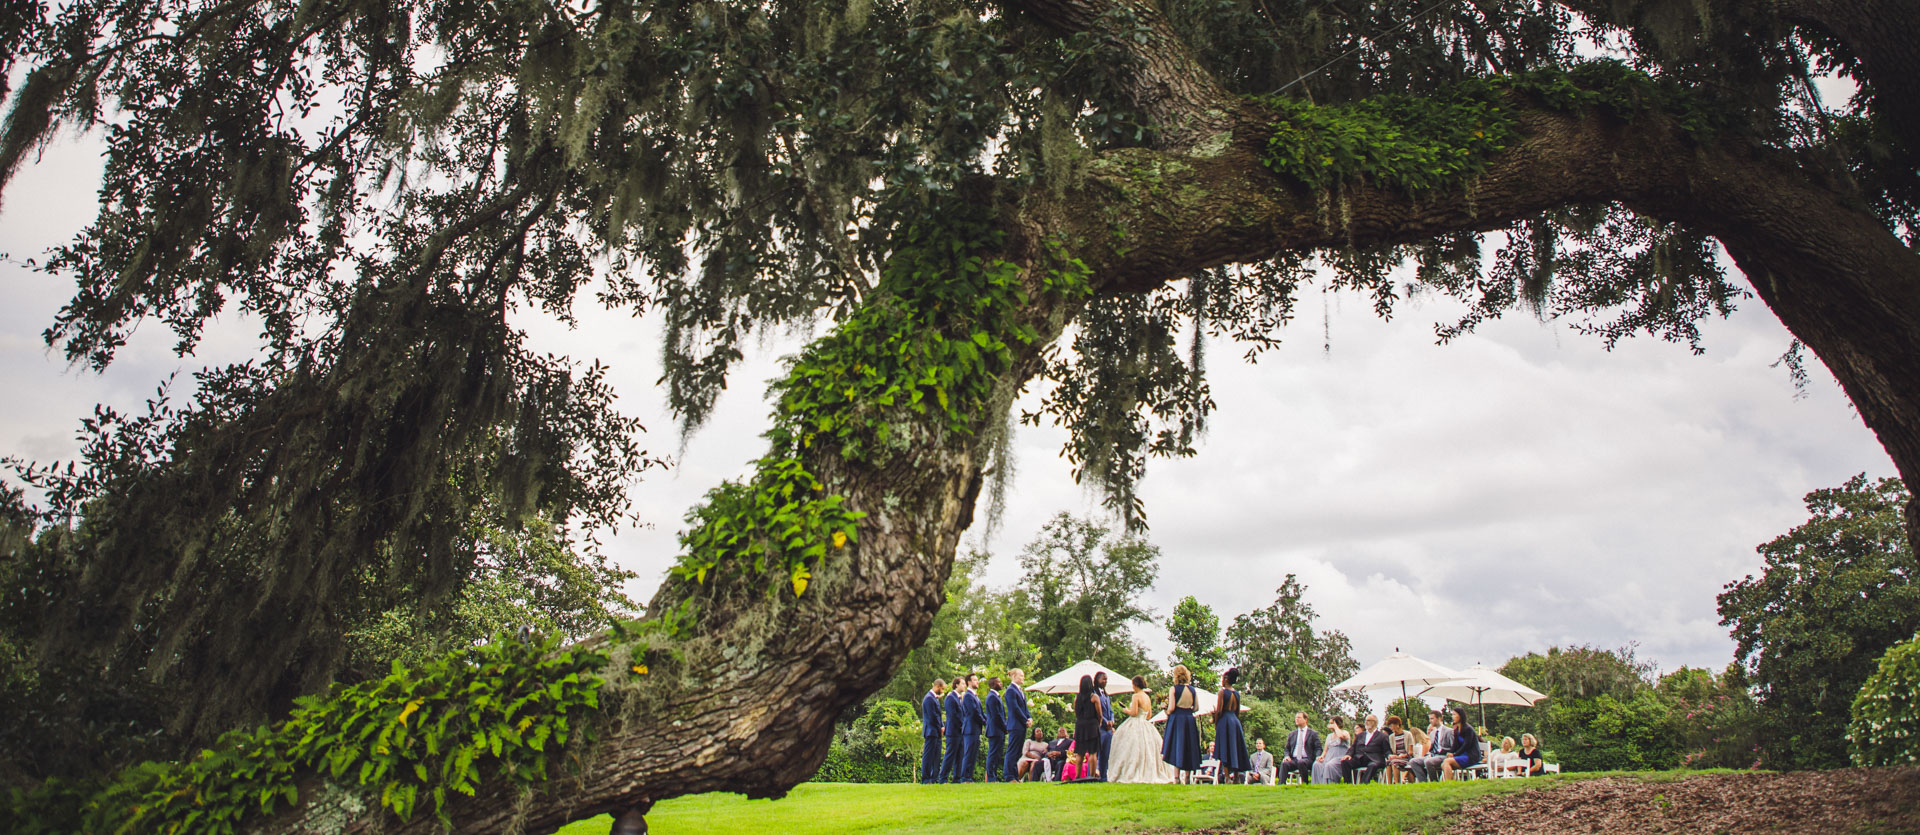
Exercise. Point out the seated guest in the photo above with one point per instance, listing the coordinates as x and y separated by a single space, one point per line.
1368 756
1302 749
1399 751
1426 768
1262 764
1530 755
1057 751
1506 762
1072 770
1326 770
1465 751
1033 757
1208 764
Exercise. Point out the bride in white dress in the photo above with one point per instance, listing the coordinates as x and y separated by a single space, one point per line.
1136 743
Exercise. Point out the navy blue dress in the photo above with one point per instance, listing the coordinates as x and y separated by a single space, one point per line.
1181 748
1229 741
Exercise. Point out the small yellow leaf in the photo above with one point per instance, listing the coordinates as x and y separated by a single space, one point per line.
409 709
525 721
639 669
799 584
839 539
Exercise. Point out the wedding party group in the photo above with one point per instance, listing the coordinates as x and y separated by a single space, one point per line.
953 720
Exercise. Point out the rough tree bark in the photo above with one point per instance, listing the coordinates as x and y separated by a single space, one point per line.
751 708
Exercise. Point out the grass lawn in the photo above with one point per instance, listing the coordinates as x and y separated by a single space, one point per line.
1082 807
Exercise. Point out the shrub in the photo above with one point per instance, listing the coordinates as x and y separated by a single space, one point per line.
1886 713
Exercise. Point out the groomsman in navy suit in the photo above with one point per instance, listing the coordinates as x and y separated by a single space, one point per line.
996 731
930 733
975 721
1017 718
950 762
1106 718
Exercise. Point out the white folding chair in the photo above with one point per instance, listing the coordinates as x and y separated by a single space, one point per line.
1483 768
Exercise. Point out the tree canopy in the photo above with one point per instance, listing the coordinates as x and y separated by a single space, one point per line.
1835 594
948 188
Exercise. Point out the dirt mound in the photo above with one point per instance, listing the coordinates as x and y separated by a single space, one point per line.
1859 800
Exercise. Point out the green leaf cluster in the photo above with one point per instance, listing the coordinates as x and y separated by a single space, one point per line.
1886 713
413 737
1419 142
1411 142
922 356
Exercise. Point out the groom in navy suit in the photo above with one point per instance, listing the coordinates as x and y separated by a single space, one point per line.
950 762
973 720
1106 718
930 733
1017 718
996 732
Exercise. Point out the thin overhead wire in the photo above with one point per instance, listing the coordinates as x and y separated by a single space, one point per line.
1363 42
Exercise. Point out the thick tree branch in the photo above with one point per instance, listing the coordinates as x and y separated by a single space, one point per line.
1161 76
1885 36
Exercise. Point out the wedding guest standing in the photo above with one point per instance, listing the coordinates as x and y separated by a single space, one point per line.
1018 718
930 764
1229 740
1106 723
996 733
1182 746
973 720
1086 728
950 762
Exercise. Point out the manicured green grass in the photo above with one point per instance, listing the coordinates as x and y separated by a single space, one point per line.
1053 808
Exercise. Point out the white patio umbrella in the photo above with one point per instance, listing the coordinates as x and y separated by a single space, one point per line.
1068 680
1482 685
1398 668
1202 703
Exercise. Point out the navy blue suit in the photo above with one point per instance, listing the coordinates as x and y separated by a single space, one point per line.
972 722
929 738
1106 733
950 762
1017 719
996 737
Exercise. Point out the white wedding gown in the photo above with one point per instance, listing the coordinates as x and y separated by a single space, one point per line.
1136 753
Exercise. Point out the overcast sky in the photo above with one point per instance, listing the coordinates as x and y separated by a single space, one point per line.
1517 489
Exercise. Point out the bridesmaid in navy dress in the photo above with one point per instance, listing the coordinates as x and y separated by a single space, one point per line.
1229 741
1182 746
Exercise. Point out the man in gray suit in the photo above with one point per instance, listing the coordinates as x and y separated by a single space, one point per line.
1262 763
1439 747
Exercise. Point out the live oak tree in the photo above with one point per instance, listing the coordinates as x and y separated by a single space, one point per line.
953 186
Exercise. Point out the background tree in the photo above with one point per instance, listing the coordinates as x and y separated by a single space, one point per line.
1285 660
1079 594
952 185
1714 717
1195 631
1411 709
1886 714
1601 711
1835 593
